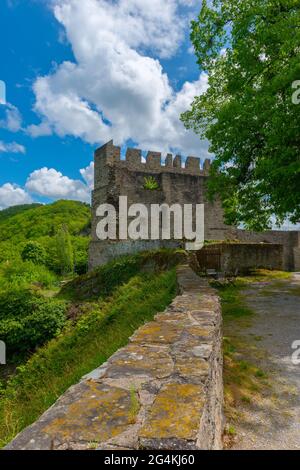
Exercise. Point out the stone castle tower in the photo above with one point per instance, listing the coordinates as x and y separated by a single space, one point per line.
176 184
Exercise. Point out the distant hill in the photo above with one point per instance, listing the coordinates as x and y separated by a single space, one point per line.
35 220
14 210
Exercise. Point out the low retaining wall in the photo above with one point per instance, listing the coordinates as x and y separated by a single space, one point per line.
164 390
234 258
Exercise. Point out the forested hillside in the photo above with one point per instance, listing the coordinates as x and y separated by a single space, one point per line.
41 246
42 223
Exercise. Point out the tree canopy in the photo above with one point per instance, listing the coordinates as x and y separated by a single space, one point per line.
250 50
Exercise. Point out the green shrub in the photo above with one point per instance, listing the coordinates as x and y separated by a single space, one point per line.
19 274
80 248
34 252
9 251
28 320
64 250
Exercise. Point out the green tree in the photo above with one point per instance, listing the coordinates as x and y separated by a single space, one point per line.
250 52
64 250
34 252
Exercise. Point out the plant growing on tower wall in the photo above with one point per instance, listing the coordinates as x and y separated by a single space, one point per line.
150 183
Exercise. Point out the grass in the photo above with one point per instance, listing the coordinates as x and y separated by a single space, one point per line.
233 304
265 275
95 337
103 280
244 381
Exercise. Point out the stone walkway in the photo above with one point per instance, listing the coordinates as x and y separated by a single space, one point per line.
274 422
163 390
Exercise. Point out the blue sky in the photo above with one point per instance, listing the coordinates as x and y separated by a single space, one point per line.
80 73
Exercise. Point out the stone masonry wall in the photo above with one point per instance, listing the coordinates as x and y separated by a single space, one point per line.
241 257
289 240
163 390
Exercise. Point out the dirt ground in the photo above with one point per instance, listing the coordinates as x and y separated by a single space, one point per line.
272 420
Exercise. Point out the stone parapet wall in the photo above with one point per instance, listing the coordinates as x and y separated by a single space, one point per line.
288 239
163 390
237 258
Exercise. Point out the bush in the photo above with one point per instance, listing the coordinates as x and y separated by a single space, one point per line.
34 252
28 320
19 274
64 250
80 247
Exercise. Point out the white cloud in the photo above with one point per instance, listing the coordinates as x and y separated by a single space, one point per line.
11 147
51 183
38 130
88 175
13 119
152 24
117 89
12 195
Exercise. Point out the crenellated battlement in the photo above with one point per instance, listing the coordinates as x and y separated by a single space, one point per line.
109 154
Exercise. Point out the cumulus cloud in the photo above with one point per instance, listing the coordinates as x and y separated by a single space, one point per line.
11 147
12 195
38 130
116 88
13 119
88 175
51 183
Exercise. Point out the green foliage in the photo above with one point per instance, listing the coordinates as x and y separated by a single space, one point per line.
18 274
103 280
27 320
64 360
34 252
9 251
80 248
64 251
150 183
11 211
250 51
